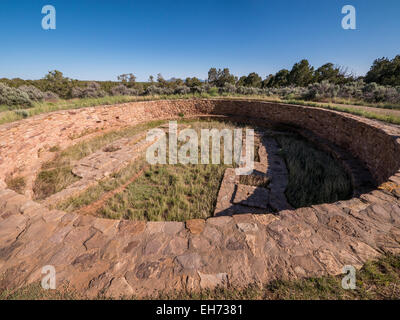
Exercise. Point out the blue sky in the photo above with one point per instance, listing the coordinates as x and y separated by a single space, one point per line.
97 39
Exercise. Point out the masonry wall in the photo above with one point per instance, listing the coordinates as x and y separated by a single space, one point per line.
25 144
125 258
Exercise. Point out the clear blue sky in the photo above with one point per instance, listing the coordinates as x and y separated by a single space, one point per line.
97 40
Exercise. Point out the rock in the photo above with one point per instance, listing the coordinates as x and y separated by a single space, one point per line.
196 226
131 228
119 288
155 227
247 227
177 246
234 244
152 247
213 235
131 247
266 219
251 243
252 196
172 228
211 281
190 261
146 270
200 243
219 221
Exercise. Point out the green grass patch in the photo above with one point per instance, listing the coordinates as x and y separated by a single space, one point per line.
168 193
314 176
172 192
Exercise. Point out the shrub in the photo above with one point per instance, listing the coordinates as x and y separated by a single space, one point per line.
372 92
249 90
92 90
22 113
34 93
48 95
13 96
122 90
199 89
213 91
182 90
322 90
228 88
155 90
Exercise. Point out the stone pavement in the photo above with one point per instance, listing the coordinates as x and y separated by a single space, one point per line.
237 198
115 258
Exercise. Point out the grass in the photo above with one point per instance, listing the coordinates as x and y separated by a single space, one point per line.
51 181
163 192
57 173
394 119
168 193
94 193
314 176
377 280
16 184
171 192
255 180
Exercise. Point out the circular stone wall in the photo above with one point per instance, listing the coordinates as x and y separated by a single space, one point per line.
127 257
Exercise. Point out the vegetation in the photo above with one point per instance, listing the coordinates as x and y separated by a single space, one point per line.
377 280
17 184
314 176
385 72
255 180
57 173
51 181
168 192
303 81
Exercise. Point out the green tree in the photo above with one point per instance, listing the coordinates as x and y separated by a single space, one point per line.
267 82
193 82
55 82
220 77
161 81
302 74
281 79
385 72
253 80
128 79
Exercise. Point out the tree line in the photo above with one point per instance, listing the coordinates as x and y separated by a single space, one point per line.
302 80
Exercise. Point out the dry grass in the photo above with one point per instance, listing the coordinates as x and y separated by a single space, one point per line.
51 181
255 180
16 184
